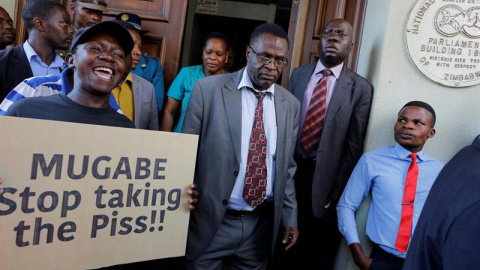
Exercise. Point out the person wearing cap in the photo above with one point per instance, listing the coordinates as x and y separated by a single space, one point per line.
147 67
97 62
135 95
87 12
142 110
48 26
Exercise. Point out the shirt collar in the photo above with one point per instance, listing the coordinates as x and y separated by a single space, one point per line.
246 82
30 53
128 79
404 153
336 69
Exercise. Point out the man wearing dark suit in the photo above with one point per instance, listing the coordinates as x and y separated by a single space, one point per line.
447 232
324 170
225 228
48 26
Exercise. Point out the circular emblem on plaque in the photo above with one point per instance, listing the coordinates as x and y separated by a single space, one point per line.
443 40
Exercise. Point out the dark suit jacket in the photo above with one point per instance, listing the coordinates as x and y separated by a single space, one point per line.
14 68
343 134
214 113
447 235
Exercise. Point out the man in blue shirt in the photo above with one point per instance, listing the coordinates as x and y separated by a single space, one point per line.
48 26
383 172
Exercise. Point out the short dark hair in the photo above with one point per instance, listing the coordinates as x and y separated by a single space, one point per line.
423 105
42 9
217 35
268 28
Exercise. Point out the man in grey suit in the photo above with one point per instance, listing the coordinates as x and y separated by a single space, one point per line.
325 167
224 228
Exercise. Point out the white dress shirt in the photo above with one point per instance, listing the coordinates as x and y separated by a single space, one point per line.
249 102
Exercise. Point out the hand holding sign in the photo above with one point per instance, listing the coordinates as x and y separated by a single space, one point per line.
192 192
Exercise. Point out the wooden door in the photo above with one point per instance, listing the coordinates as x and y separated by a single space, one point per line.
165 19
307 20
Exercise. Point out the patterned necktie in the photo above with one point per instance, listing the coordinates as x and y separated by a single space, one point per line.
255 187
405 228
312 127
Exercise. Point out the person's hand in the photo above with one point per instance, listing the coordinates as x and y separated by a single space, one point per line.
193 194
1 189
328 205
359 258
290 237
363 262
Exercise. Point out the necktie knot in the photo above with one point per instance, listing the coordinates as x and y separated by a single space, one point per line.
259 95
413 156
326 72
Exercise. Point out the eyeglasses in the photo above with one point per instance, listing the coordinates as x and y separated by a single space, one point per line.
265 60
332 33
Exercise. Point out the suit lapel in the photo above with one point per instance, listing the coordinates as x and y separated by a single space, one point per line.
340 94
20 64
281 115
304 78
233 108
137 98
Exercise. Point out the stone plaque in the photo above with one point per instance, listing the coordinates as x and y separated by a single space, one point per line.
443 40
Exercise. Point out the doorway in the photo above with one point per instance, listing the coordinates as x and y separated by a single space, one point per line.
234 18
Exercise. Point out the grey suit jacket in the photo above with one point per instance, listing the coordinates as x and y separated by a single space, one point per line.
145 104
214 113
343 134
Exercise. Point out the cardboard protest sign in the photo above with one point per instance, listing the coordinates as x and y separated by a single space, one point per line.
82 196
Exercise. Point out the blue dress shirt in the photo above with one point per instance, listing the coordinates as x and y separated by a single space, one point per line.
383 172
39 68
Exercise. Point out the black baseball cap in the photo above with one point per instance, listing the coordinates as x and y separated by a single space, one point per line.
132 19
111 28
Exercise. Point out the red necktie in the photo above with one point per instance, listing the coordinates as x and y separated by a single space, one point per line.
312 127
405 228
255 187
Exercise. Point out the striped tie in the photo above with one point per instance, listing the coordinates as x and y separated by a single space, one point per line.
312 128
